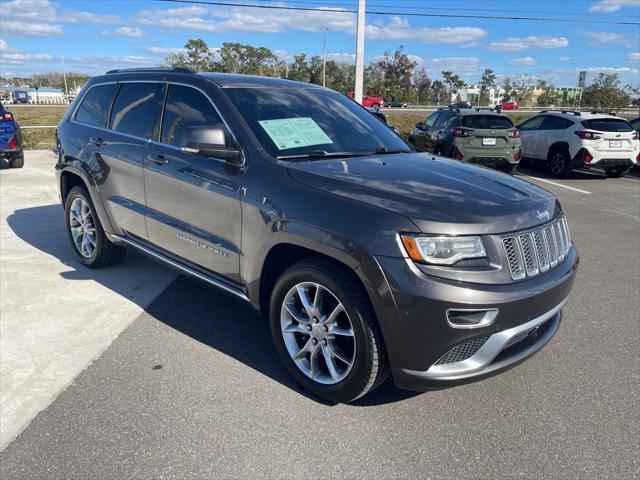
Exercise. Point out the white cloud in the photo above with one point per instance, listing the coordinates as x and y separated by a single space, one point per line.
11 56
71 16
522 62
399 29
517 44
197 18
633 56
129 32
609 6
39 18
163 52
458 65
618 70
600 38
347 58
101 63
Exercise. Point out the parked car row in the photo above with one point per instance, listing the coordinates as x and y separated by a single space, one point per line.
563 140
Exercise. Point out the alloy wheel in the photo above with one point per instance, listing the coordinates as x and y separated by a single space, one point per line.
318 333
556 163
83 230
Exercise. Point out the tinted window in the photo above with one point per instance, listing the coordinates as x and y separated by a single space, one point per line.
186 109
556 123
299 121
94 108
607 125
432 119
533 123
635 124
486 121
442 119
137 109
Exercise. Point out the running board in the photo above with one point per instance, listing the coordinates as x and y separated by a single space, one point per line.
182 267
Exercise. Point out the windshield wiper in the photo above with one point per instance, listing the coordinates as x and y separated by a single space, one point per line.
323 154
386 151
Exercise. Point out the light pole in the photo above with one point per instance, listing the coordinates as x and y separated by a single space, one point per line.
324 58
359 53
575 91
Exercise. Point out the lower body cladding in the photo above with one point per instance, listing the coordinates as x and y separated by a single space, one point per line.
621 159
434 341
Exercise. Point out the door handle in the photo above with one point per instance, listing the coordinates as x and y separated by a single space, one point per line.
158 159
97 141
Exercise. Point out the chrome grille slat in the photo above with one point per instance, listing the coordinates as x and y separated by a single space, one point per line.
533 252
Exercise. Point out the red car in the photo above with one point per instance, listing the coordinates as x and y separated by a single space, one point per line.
369 102
509 106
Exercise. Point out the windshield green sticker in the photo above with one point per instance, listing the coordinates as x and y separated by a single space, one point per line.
294 132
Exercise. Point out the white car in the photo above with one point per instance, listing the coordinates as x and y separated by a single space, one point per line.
567 140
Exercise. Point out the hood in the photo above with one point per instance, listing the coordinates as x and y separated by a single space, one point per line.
439 195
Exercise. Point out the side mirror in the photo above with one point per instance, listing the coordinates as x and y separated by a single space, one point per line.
421 126
210 142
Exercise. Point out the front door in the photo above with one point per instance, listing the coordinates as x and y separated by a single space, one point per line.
193 202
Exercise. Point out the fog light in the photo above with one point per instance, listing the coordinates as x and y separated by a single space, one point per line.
471 318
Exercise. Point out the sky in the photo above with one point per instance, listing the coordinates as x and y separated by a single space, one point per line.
97 35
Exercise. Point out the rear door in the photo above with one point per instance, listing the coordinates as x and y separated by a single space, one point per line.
122 151
193 201
433 132
420 136
529 133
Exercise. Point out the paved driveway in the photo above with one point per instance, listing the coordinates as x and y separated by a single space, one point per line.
193 389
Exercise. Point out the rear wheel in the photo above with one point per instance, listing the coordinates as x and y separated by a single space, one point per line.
88 240
559 163
438 151
616 172
16 160
376 106
510 168
325 331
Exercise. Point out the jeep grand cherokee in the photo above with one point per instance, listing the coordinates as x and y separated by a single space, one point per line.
367 258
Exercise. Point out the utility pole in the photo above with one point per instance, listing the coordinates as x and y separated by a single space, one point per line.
575 92
324 59
64 74
360 53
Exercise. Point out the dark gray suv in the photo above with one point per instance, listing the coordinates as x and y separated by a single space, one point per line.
367 257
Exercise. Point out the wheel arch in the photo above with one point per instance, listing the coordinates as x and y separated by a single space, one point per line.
75 176
564 146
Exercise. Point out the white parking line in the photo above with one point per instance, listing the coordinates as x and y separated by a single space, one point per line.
558 184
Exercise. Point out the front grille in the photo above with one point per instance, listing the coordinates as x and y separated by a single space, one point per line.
462 352
534 252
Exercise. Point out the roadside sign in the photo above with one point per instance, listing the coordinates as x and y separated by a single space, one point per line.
582 78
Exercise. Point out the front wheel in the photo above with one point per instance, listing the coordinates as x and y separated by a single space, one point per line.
616 172
325 331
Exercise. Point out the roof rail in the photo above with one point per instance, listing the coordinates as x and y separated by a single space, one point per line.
152 69
602 112
572 112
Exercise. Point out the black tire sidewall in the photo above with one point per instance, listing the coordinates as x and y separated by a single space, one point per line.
567 167
352 386
78 192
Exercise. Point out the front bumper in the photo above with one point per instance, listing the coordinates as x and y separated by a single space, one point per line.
529 314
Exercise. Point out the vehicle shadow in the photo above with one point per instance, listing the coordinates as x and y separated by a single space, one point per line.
540 170
206 315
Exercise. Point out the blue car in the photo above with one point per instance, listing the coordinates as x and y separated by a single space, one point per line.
11 146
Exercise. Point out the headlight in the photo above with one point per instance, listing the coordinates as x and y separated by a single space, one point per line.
443 250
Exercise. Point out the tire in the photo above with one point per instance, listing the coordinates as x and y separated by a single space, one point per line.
438 151
510 169
559 163
91 245
616 172
17 160
360 364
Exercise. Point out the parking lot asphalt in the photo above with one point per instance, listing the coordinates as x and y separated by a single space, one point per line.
193 388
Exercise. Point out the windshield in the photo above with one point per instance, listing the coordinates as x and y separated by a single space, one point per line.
486 121
607 125
304 121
